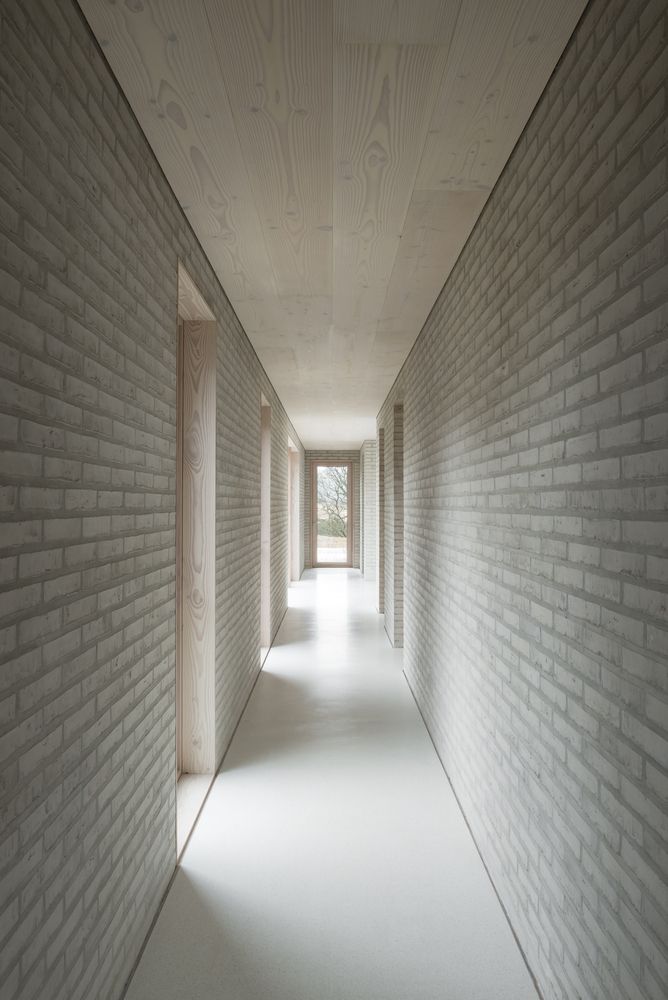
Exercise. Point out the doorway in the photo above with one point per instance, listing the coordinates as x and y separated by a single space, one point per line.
380 533
397 610
265 528
331 513
294 561
195 554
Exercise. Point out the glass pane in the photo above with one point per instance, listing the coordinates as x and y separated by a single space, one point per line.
332 512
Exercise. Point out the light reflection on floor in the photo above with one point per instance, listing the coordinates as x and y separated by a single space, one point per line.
331 861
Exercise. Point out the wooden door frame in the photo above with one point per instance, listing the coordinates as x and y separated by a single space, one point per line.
195 640
330 463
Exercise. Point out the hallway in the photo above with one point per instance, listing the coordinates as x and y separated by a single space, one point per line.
331 859
311 311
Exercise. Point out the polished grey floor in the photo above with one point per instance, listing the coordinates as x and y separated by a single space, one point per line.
331 861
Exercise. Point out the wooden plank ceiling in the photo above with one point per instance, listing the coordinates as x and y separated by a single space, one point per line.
332 157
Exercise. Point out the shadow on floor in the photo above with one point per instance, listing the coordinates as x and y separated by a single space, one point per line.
291 719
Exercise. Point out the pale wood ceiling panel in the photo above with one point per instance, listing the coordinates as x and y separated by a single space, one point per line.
499 62
292 313
431 22
276 60
332 157
311 347
383 100
163 53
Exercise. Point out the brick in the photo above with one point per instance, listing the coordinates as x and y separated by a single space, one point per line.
651 393
643 194
646 465
622 435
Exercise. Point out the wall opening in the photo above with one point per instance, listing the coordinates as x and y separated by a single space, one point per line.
380 534
293 513
195 553
331 513
368 510
397 635
265 528
362 509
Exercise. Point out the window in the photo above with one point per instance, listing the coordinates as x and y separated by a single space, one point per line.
331 514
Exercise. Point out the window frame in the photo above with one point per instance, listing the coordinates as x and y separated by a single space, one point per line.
330 463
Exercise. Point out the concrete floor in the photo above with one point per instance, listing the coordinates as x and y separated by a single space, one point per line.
330 861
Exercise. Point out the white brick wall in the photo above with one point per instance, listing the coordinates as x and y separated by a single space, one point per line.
536 491
91 235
